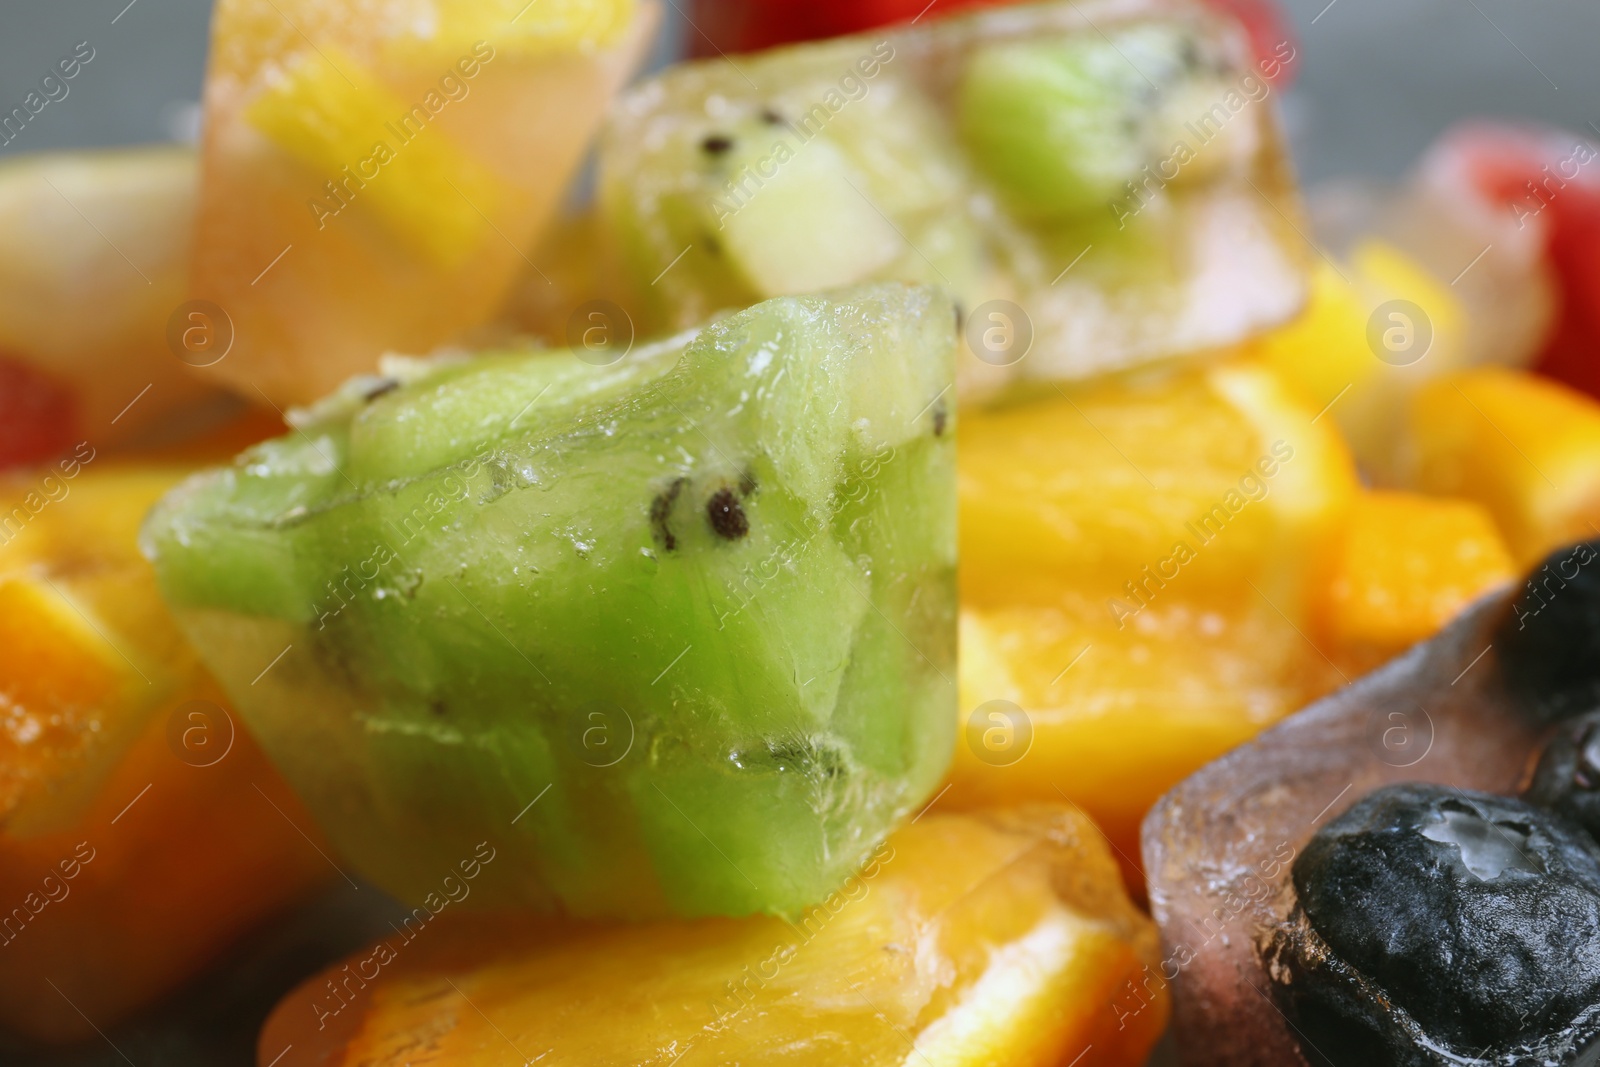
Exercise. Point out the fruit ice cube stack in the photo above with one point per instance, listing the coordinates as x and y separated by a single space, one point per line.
372 170
1110 173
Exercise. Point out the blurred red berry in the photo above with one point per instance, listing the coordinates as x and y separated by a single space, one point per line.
746 26
38 415
1549 180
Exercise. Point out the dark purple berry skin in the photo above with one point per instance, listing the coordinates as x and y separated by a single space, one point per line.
1430 918
1567 777
727 515
1549 639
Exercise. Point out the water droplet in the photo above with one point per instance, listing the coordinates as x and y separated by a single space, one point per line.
1487 849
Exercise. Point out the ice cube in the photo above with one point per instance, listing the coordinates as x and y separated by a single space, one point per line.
678 630
1100 184
373 173
1468 709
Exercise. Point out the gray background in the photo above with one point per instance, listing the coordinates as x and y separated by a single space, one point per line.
1378 79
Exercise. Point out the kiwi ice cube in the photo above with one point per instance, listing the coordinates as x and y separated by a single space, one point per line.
674 635
1063 125
1028 155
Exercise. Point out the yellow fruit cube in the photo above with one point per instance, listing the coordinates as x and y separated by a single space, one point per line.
1373 332
138 833
1181 485
1026 952
1404 567
58 675
1525 447
1109 716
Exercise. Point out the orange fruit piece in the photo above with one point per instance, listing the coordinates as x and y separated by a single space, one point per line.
1025 952
1140 556
140 829
1406 565
56 678
1198 480
1525 447
1372 333
1110 717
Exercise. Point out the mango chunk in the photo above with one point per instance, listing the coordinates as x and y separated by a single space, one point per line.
1525 447
1141 558
1110 717
1406 565
56 674
1022 953
141 830
1182 484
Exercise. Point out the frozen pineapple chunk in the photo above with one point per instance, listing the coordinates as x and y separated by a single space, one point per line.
1525 447
374 174
963 941
326 113
93 254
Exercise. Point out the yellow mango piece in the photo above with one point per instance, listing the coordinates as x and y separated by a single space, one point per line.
1525 447
129 856
1360 354
1324 350
1186 484
1026 952
1109 716
57 675
1406 565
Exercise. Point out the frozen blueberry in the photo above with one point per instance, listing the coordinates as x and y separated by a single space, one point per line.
1567 778
1438 926
1549 640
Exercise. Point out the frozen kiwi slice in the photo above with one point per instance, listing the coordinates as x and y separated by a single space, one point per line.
805 185
674 635
1111 169
1063 125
